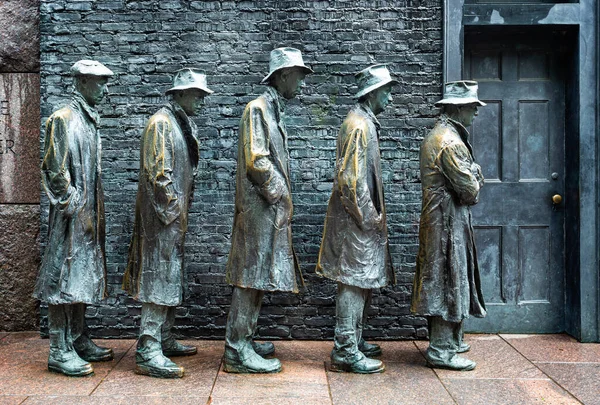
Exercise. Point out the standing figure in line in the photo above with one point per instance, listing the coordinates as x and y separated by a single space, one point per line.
355 249
447 287
73 271
154 276
262 257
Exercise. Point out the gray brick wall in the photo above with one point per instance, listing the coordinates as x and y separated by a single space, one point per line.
145 41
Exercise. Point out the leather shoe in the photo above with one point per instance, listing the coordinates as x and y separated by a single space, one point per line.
369 349
456 362
172 348
89 351
247 361
157 366
263 348
356 364
463 348
68 363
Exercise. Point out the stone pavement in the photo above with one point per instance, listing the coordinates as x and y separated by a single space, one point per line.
512 369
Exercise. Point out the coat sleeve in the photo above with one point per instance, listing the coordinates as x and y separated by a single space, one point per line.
56 164
259 167
158 167
458 168
352 180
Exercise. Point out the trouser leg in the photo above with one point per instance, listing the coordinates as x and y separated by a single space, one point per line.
59 328
153 318
167 326
78 327
443 339
350 307
243 318
361 325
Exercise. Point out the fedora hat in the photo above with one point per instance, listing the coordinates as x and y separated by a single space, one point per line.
86 67
188 78
281 58
460 92
372 78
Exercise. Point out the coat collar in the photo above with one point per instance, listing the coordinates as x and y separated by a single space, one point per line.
272 96
189 129
369 113
79 102
460 128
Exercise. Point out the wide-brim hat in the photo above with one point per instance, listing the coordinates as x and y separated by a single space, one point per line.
372 78
86 67
282 58
460 93
189 78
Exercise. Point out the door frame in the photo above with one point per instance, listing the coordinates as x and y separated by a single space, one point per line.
582 272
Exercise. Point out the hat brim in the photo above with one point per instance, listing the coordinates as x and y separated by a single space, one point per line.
307 70
176 88
375 87
460 101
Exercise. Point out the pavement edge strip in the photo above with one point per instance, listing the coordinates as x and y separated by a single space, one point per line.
328 384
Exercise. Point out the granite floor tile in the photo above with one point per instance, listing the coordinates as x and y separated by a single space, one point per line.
13 337
299 380
407 381
200 372
25 368
494 357
507 391
580 379
297 350
552 348
3 335
114 400
12 399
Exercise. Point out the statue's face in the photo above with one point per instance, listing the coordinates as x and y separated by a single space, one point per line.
467 113
191 101
93 89
380 98
291 82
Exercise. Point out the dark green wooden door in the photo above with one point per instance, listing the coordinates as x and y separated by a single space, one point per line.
518 139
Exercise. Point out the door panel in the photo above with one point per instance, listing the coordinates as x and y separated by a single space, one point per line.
518 139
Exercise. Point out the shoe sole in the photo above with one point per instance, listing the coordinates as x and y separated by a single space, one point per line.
59 370
159 374
375 353
97 359
179 354
445 367
246 370
344 368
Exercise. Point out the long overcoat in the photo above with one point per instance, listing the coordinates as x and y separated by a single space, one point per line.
447 280
355 247
168 164
262 256
73 269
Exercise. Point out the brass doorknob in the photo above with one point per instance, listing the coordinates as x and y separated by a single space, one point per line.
556 199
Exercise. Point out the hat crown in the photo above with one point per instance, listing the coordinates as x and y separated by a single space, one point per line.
461 89
372 78
285 57
87 67
189 76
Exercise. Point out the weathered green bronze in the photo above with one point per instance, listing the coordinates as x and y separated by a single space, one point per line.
262 257
73 270
355 249
447 286
155 271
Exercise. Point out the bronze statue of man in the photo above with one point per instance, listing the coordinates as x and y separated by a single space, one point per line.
355 249
154 276
73 270
447 287
262 257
